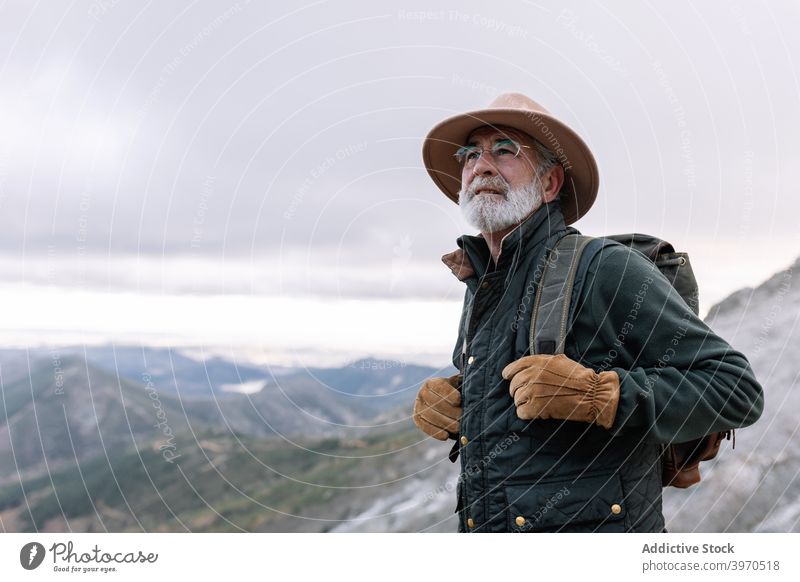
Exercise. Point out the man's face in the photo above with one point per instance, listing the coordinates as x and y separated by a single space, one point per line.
518 171
499 190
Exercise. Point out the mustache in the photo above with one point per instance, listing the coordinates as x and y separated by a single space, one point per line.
497 183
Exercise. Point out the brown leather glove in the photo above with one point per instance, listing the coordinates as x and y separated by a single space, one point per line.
437 410
545 386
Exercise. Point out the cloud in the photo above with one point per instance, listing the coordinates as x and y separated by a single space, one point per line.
251 129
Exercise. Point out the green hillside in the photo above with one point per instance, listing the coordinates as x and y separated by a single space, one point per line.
216 484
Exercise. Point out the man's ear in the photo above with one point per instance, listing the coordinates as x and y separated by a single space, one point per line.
552 181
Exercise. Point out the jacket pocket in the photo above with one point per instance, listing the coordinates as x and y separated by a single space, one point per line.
586 504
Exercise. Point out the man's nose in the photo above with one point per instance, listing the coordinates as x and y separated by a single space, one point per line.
483 165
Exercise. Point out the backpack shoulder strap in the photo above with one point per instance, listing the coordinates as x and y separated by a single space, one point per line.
554 294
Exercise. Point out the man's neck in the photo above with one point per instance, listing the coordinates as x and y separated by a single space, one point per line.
495 241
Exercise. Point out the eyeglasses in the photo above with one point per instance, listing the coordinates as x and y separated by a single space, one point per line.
502 150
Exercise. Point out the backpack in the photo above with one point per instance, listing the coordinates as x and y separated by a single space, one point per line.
550 320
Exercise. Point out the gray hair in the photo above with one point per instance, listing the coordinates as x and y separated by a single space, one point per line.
547 159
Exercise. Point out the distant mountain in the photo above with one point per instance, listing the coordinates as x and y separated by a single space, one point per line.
15 364
68 403
331 398
83 445
174 372
67 410
222 483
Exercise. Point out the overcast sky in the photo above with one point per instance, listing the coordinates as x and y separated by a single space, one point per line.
274 150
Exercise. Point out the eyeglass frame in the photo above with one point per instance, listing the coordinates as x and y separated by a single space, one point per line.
466 163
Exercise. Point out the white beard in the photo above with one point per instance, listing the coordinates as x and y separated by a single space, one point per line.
490 213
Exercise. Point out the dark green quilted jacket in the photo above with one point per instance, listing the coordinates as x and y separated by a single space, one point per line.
678 381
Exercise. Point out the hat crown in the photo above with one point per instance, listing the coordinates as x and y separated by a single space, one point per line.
517 101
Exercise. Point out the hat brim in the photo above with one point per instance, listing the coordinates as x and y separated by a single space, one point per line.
581 181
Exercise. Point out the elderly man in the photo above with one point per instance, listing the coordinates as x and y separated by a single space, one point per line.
568 442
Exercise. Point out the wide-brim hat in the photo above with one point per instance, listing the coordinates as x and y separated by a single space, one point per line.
522 113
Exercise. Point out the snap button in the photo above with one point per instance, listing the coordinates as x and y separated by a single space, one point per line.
470 359
616 509
464 440
520 521
485 285
470 523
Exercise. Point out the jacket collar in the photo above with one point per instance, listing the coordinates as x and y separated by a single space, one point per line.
473 258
